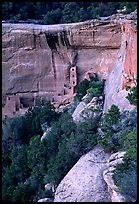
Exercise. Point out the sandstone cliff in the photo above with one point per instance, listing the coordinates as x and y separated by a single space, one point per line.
37 60
125 68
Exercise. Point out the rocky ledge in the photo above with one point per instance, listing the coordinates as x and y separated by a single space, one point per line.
90 179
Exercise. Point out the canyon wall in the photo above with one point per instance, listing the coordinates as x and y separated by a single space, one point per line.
37 59
124 71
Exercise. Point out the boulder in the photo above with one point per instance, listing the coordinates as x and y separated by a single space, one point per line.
90 179
49 187
84 182
86 110
46 200
44 136
77 112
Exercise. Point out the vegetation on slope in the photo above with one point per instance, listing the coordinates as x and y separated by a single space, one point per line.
61 12
29 162
119 133
94 88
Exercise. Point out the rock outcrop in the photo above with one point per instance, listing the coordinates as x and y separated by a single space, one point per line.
114 159
88 109
45 200
84 182
124 69
37 59
90 179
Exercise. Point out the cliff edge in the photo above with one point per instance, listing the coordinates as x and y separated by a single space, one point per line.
37 60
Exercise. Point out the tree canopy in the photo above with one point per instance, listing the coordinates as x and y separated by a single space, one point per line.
61 12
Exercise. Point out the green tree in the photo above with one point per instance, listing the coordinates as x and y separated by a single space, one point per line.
82 89
48 114
112 116
36 153
125 174
49 18
59 165
94 11
132 95
60 130
8 184
108 125
21 193
95 88
130 6
70 12
19 168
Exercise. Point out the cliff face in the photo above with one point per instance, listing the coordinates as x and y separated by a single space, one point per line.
125 68
37 60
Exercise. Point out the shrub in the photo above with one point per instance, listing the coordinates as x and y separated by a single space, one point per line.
126 182
74 142
48 113
125 176
94 87
132 95
108 126
82 89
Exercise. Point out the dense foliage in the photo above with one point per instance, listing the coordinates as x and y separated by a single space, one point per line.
93 88
28 162
61 12
118 132
24 155
125 175
132 95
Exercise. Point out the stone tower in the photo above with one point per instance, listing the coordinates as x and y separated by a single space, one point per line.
73 78
12 105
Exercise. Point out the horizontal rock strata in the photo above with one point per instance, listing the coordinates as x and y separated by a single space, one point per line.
36 59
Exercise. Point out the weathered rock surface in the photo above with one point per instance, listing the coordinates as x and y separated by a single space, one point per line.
36 59
90 179
77 112
86 110
84 182
44 136
49 187
114 159
125 68
45 200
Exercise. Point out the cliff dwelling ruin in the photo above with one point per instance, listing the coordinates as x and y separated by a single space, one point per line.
47 62
17 103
